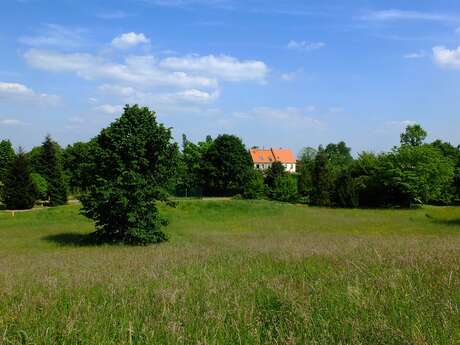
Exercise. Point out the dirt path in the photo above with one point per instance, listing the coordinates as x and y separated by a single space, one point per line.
39 208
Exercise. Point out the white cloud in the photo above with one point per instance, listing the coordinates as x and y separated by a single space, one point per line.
403 123
305 46
170 84
20 92
447 58
14 89
76 120
196 96
129 40
289 116
290 76
394 15
11 122
396 126
185 72
54 35
132 95
417 55
136 69
109 109
223 67
336 110
118 90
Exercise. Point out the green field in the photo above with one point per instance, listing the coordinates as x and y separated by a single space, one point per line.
235 272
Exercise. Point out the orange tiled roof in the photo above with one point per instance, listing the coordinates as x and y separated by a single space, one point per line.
284 155
262 156
267 156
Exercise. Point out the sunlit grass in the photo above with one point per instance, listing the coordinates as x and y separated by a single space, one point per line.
235 272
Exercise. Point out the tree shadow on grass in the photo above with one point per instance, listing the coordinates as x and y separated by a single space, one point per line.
74 239
450 222
440 221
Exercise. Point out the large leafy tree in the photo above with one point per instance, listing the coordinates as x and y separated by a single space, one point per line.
339 155
19 192
453 154
406 176
226 166
189 179
414 135
131 163
368 172
422 174
49 166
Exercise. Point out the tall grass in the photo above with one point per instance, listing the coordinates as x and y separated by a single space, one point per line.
235 272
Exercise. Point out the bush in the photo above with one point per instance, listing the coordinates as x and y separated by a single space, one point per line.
131 161
255 188
285 188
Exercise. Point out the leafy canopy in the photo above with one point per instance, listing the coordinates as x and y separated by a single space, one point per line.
226 166
414 135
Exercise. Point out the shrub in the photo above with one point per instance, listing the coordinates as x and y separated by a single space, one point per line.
255 188
285 188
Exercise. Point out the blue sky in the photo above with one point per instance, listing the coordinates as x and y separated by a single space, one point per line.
276 73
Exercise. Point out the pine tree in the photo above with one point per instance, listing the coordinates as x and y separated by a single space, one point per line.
19 191
6 156
51 169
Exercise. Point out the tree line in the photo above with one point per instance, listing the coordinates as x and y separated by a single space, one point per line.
122 174
412 173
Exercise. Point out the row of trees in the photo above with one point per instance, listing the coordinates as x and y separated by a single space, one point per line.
122 174
412 173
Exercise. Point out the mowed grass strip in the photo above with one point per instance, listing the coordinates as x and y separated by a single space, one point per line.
235 272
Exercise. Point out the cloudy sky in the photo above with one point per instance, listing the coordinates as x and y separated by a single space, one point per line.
288 73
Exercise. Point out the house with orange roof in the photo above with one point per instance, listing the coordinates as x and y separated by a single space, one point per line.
264 158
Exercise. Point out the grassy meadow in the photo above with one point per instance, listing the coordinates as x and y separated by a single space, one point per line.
235 272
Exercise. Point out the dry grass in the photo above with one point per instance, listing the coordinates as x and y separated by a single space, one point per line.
235 272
